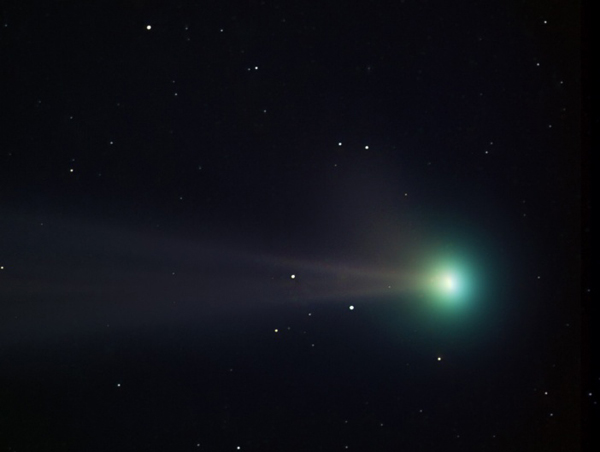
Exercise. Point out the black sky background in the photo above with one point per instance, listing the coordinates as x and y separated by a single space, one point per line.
158 187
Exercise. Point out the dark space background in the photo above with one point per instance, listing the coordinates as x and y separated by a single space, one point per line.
216 217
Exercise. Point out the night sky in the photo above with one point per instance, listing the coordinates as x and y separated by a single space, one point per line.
293 226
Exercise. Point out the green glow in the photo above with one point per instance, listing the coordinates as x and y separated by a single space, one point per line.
460 281
450 285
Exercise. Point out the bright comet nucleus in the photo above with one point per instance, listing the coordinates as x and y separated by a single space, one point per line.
454 288
449 284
